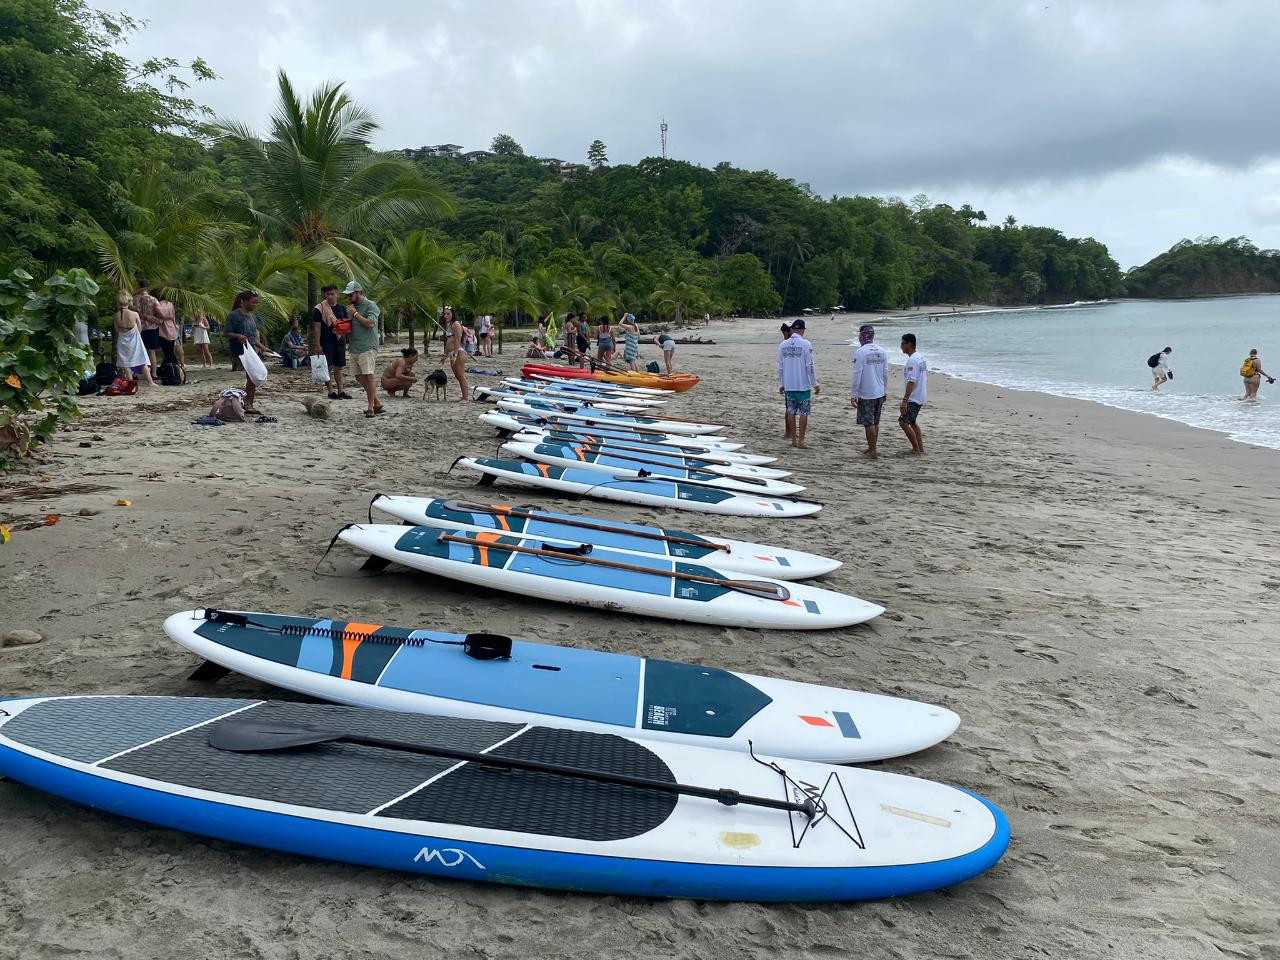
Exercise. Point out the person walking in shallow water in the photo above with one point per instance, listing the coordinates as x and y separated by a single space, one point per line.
1252 372
915 393
1159 364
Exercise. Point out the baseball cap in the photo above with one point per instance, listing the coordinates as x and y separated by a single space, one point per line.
797 324
353 287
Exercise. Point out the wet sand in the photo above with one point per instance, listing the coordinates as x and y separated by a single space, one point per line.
1094 592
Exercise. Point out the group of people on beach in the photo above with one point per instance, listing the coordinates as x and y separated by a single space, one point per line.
575 337
798 384
148 337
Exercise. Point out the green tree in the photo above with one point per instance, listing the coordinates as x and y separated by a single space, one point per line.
415 275
504 145
77 118
596 156
315 182
744 286
679 287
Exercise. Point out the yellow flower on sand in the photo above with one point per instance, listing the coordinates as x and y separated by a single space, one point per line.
14 381
4 533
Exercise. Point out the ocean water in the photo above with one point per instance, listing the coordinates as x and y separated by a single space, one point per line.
1099 351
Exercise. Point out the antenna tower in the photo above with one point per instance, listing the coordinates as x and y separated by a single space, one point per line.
663 128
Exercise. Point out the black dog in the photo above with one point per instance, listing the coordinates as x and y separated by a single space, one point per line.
440 379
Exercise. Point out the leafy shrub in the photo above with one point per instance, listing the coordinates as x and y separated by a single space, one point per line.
40 362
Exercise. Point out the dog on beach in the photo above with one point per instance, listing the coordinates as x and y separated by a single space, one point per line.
437 378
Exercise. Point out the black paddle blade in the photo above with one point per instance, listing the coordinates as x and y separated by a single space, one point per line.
264 736
209 672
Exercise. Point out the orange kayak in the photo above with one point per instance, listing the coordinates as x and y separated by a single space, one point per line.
680 382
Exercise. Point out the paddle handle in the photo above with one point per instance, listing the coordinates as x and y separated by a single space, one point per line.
724 795
769 590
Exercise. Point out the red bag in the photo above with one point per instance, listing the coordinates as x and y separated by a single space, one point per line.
342 327
121 387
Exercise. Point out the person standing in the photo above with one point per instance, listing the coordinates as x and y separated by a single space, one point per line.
242 334
200 339
870 376
485 334
144 304
131 354
915 392
604 341
328 318
364 315
797 381
1252 372
454 355
170 341
1159 364
630 340
583 339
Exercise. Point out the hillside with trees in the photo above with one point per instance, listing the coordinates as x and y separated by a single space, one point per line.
115 167
1207 267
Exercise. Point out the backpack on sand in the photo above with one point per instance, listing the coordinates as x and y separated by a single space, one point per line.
120 387
105 374
228 408
169 374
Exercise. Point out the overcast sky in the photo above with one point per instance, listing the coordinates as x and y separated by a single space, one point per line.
1135 122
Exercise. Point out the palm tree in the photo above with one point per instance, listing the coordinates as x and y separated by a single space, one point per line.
800 249
316 182
679 286
233 264
165 224
577 226
415 274
488 286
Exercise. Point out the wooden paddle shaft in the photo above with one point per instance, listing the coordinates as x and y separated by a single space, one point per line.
772 591
619 456
673 452
584 524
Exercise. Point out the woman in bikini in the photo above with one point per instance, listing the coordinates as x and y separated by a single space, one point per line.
604 341
454 355
398 376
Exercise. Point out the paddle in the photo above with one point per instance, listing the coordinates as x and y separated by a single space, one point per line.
675 452
463 506
244 735
767 591
602 452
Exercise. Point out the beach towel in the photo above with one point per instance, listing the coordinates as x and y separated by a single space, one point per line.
129 349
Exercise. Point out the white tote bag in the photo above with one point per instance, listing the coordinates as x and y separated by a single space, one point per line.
320 368
254 368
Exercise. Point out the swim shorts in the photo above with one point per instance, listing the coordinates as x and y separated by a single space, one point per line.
913 411
335 351
869 412
366 361
799 402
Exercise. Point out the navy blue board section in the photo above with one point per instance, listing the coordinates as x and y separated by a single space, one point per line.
655 487
684 698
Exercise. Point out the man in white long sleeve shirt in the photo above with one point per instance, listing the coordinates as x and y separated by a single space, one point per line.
870 377
915 392
797 381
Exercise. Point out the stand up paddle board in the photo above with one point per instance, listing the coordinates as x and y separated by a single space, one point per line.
609 579
587 388
503 802
540 408
515 422
610 404
602 459
641 453
425 671
534 388
646 491
627 388
721 552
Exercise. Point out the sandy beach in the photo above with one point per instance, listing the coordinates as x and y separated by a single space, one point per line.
1095 592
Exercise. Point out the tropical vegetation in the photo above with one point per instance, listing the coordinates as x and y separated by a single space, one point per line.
1207 267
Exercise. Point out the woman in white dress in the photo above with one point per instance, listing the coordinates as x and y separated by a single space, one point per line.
130 350
200 337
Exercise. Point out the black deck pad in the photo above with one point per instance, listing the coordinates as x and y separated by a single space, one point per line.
549 804
337 776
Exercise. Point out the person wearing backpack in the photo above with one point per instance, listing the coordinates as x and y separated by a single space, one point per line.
1159 364
1252 372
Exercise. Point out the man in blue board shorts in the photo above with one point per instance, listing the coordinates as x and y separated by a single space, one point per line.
797 380
870 377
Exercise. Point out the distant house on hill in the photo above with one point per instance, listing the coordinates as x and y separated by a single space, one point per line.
475 156
568 168
554 162
451 150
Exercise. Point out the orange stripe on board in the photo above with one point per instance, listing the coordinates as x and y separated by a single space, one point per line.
351 644
544 470
815 721
485 538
